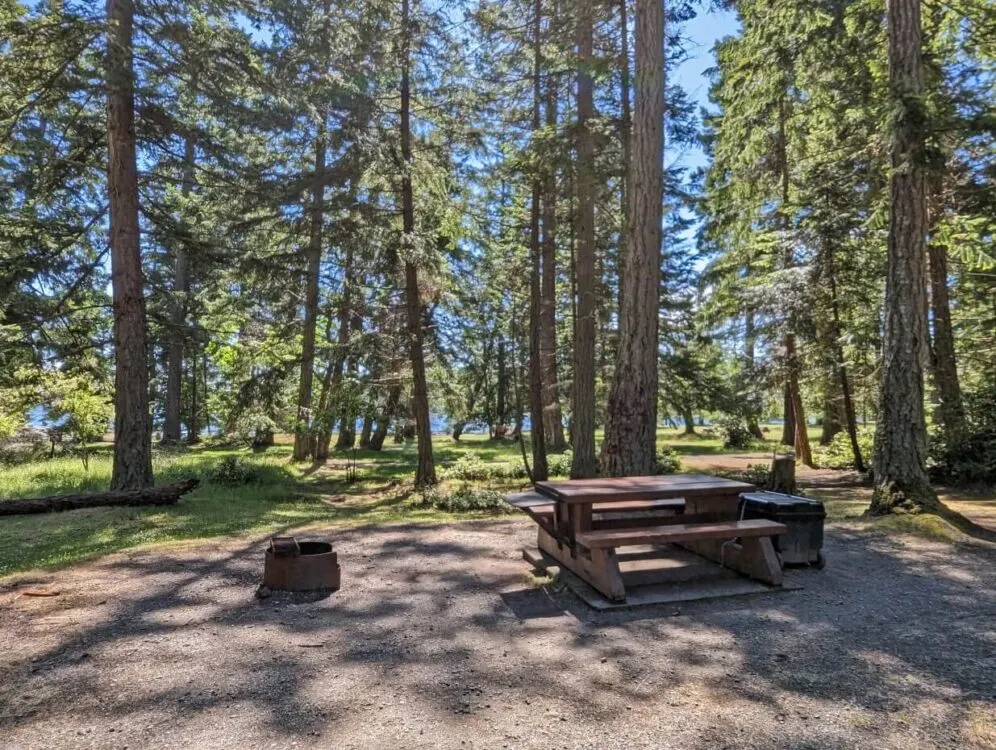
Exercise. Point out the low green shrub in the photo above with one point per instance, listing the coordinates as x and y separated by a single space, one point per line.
465 499
667 461
559 464
233 471
838 454
733 432
758 475
469 467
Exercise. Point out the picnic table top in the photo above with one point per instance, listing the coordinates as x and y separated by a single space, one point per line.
618 489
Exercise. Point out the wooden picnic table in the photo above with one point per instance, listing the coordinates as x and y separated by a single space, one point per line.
582 522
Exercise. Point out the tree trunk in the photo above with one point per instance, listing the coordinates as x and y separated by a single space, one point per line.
553 424
830 421
303 444
901 437
788 422
584 463
132 422
501 407
850 421
801 436
194 425
350 321
625 129
950 409
630 441
385 419
178 315
536 413
425 473
749 340
136 497
367 431
689 419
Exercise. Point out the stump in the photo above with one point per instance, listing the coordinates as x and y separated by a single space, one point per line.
783 473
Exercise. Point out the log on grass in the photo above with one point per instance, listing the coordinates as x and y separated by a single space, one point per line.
166 495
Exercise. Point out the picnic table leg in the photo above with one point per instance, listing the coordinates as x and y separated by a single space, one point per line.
599 568
754 557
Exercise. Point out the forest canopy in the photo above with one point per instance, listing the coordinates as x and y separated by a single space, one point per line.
362 219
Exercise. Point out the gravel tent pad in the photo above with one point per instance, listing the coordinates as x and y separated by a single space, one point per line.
439 639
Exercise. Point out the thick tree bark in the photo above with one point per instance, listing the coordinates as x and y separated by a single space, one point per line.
788 421
901 436
553 423
178 315
630 443
132 422
584 463
425 472
536 413
303 443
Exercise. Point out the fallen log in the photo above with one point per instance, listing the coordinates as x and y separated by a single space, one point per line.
168 494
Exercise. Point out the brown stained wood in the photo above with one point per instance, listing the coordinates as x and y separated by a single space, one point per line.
166 495
753 556
640 488
600 569
679 533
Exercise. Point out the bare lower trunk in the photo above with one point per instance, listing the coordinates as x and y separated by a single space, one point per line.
950 409
132 424
630 441
553 425
425 472
536 415
178 316
625 130
303 443
584 463
366 431
194 423
800 440
901 435
385 419
689 419
850 421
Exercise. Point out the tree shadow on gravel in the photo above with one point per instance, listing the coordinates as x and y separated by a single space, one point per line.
437 630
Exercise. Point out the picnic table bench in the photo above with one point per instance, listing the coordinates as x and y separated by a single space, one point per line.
582 522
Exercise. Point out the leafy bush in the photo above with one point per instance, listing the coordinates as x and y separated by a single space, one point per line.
559 464
973 459
838 454
463 500
733 432
234 471
667 461
470 467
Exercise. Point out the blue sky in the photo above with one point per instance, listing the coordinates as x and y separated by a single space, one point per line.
701 33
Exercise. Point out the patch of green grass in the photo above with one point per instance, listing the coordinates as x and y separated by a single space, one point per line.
287 495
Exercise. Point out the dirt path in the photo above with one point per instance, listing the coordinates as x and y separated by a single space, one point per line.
438 640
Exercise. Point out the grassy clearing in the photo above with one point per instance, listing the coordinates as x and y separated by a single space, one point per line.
285 495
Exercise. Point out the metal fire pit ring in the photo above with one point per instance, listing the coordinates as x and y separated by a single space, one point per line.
291 565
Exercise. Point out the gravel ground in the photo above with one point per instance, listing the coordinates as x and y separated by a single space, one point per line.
439 640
